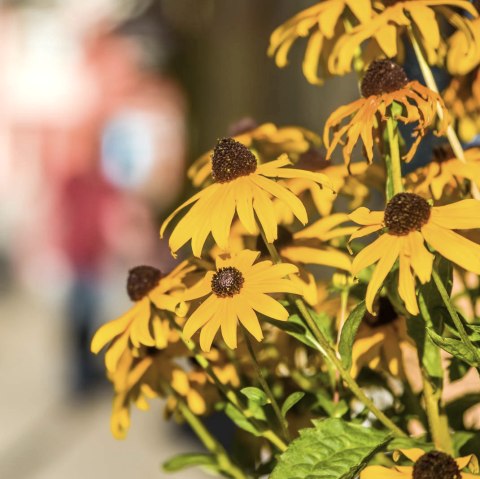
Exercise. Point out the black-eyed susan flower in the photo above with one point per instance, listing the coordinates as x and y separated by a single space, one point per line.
268 141
445 172
462 97
389 22
323 24
381 341
383 84
407 223
426 465
141 324
243 187
235 293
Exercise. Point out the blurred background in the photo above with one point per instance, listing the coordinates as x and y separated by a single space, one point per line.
103 104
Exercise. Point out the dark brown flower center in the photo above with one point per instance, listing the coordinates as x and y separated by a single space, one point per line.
227 282
386 313
383 76
436 465
406 212
141 280
230 160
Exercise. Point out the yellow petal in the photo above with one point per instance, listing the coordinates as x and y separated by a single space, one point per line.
406 286
266 305
112 329
454 247
373 252
460 215
248 318
384 266
210 329
229 324
363 216
381 472
265 211
201 315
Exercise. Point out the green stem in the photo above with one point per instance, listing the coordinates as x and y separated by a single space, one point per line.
223 460
329 352
331 355
453 313
438 422
229 394
394 167
261 378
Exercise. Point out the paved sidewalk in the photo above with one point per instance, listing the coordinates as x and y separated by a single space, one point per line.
47 435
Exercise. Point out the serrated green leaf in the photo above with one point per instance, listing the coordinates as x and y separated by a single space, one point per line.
291 401
184 461
332 449
349 331
240 420
255 395
455 347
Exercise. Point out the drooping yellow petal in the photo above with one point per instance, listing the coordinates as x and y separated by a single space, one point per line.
201 315
460 215
406 285
283 194
421 258
229 324
266 305
248 318
381 271
265 211
208 332
200 289
454 247
373 252
112 329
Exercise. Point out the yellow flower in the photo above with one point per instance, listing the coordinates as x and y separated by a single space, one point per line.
268 141
240 186
380 341
433 464
463 49
384 84
323 23
236 291
136 379
462 98
445 171
389 22
142 325
409 221
308 246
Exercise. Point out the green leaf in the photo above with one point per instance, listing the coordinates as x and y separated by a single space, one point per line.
332 449
296 328
240 420
455 347
291 401
184 461
349 331
332 408
255 395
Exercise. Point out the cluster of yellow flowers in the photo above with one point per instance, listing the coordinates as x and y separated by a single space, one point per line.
278 235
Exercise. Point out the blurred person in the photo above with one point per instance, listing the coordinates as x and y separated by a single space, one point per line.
132 150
